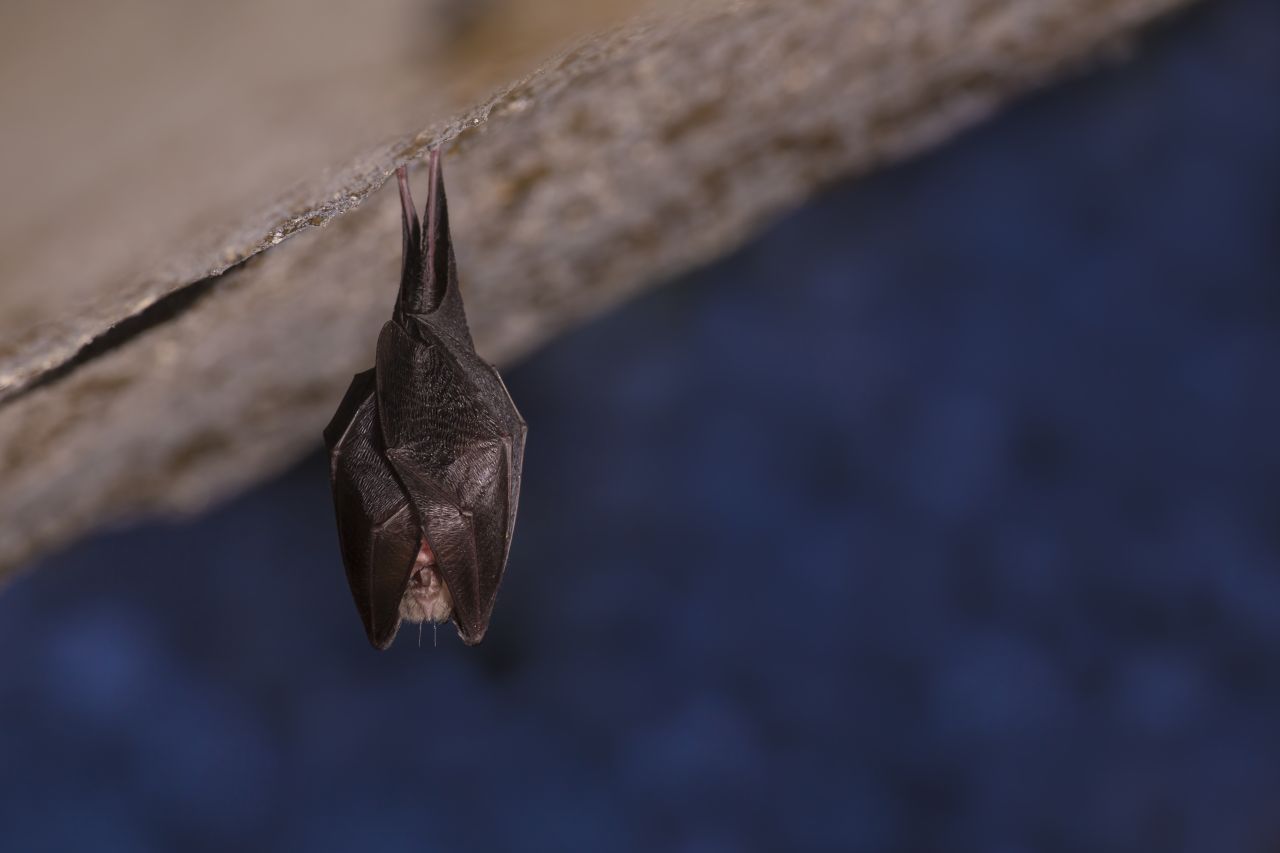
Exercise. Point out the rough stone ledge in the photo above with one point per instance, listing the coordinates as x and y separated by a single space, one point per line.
645 150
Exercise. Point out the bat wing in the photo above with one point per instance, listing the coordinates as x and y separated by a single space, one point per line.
428 444
513 438
450 530
454 457
377 530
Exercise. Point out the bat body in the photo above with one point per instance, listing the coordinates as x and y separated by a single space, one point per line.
425 452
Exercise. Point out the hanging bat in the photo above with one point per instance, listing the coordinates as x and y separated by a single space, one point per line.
425 452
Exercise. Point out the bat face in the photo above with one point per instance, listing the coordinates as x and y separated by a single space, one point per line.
425 453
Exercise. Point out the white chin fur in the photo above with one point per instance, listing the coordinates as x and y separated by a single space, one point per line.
427 599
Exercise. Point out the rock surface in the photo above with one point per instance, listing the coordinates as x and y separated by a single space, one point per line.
182 376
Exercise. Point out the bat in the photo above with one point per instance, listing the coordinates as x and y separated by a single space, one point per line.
425 451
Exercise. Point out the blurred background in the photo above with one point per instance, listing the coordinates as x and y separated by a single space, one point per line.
943 516
180 116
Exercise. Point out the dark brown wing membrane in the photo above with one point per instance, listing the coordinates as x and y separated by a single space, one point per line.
450 454
428 444
377 531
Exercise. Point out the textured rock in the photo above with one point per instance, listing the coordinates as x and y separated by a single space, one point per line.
641 152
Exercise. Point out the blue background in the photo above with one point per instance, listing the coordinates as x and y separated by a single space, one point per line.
945 516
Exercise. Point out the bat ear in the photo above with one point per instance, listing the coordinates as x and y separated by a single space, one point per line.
428 253
437 244
411 271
